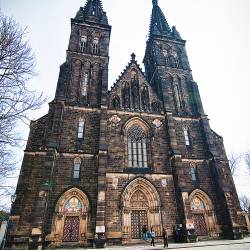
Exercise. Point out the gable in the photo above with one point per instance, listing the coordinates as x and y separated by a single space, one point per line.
132 92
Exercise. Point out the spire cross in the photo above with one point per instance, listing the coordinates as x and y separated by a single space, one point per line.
133 56
155 2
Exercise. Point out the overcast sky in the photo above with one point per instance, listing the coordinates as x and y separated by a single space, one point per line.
218 46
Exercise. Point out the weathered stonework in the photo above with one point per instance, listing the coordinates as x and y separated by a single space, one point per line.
108 162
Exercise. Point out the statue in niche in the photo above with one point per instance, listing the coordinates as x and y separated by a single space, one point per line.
145 98
126 97
116 102
135 93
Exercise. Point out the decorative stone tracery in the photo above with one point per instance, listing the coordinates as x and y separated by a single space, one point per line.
72 207
140 196
203 213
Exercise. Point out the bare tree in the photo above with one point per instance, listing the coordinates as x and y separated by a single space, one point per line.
245 203
17 67
234 160
247 160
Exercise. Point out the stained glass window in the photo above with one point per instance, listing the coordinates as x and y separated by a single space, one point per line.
85 83
95 46
83 43
73 206
137 147
80 129
186 136
194 174
77 168
197 204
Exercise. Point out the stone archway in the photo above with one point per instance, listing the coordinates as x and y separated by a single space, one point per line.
203 214
140 206
71 216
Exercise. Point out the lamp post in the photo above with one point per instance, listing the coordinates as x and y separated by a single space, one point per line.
13 199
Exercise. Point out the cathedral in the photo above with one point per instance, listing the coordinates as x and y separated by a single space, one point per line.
105 162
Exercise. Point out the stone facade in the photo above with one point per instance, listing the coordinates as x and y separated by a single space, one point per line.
108 162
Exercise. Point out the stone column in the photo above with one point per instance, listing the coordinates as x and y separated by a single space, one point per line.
177 167
38 232
101 189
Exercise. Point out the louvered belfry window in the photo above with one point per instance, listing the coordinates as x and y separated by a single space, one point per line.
137 148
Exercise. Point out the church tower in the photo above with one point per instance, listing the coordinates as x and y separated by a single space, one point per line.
108 162
167 67
195 149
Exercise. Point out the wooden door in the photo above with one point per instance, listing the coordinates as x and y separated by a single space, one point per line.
139 218
200 224
71 229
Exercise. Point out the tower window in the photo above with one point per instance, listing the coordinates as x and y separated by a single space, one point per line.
176 59
83 44
137 148
187 137
95 46
193 173
77 169
81 129
85 81
178 94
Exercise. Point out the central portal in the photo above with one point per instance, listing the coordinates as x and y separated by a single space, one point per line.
141 206
139 218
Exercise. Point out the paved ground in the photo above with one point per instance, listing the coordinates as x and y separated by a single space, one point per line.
205 245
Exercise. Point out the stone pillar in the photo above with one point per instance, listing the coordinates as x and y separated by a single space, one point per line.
176 164
101 196
38 231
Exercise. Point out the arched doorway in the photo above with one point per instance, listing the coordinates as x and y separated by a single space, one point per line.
140 206
203 213
71 217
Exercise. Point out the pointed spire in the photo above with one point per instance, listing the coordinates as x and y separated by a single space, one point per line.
92 12
158 24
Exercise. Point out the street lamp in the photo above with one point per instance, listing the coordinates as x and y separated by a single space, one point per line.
13 199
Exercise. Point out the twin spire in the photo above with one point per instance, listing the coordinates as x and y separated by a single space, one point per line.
93 12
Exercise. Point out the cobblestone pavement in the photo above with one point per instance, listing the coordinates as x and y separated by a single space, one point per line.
205 245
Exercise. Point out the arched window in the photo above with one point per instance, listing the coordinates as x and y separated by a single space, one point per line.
187 137
77 169
95 46
194 174
176 59
145 98
80 129
178 94
83 44
137 147
116 102
126 96
85 83
156 107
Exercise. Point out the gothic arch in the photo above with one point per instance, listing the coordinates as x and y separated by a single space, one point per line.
140 203
72 208
136 120
146 187
203 213
202 196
